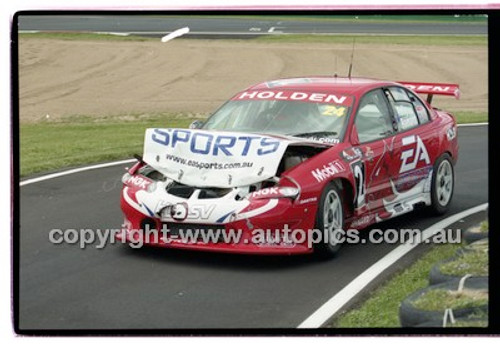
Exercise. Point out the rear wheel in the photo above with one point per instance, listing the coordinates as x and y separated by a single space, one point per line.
443 184
330 221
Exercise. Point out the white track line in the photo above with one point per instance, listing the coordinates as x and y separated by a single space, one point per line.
473 124
334 304
74 171
110 164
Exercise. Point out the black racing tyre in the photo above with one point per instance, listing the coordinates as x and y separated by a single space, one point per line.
411 316
331 215
442 185
470 236
436 276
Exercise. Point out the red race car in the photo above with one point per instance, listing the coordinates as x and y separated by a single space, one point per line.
287 166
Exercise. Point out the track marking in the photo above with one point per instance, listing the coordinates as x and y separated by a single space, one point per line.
473 124
74 171
105 165
334 304
272 29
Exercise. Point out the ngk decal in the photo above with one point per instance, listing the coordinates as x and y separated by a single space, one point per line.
287 95
266 192
138 181
414 151
328 170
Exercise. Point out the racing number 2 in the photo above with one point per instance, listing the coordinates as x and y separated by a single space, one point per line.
358 169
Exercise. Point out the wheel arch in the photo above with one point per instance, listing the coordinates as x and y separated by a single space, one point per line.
347 189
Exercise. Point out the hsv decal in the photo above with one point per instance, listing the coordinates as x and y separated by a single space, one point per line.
328 170
182 211
287 95
414 152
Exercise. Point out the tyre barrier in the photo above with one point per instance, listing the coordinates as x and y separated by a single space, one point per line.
474 246
471 235
436 276
411 316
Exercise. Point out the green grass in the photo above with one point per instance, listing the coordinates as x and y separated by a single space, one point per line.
381 309
440 299
376 39
473 262
479 40
476 323
470 117
484 226
70 36
47 146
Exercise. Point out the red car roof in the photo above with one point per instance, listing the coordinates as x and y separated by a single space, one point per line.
349 86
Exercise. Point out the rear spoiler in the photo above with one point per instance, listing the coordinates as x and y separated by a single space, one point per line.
432 89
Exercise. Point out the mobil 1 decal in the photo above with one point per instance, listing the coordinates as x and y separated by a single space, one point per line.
358 171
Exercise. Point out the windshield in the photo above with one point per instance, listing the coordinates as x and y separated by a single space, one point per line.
314 115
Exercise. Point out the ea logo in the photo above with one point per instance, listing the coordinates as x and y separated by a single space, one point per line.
179 211
411 156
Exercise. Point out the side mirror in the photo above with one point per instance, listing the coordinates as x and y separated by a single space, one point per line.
196 124
354 136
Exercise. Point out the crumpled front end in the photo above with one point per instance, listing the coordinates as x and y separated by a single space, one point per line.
258 218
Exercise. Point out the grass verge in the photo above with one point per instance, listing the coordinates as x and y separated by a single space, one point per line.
470 117
474 262
48 146
290 38
382 307
375 39
439 299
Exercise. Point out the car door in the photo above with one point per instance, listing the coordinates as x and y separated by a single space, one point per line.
412 167
373 136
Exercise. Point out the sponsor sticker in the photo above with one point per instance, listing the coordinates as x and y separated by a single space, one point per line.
288 95
216 159
328 170
352 154
414 151
138 181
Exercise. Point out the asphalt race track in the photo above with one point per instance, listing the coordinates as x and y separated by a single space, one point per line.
64 287
158 25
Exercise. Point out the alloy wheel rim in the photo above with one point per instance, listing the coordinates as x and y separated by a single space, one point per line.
332 216
444 183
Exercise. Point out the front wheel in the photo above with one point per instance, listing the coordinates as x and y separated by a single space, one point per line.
443 184
330 221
